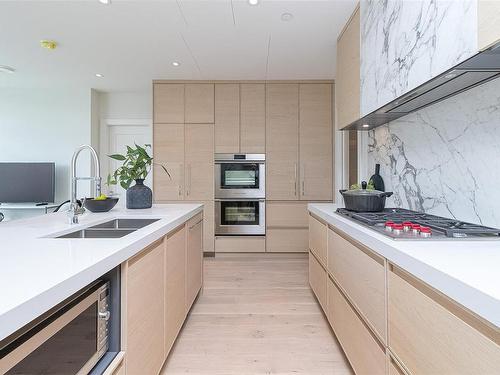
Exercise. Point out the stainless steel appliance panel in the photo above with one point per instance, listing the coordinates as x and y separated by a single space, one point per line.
240 176
240 217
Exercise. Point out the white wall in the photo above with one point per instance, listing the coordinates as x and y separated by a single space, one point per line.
46 125
126 105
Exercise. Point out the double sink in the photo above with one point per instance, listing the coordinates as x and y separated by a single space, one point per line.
116 228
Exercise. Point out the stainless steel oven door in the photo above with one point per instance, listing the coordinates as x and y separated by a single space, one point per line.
240 217
69 341
240 179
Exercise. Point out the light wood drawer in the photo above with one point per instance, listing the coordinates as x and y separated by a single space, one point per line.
365 353
287 240
361 275
317 238
317 280
244 244
430 334
287 214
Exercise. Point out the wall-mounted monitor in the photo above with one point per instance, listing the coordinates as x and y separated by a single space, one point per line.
27 182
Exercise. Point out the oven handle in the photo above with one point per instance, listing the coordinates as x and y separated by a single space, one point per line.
35 341
240 200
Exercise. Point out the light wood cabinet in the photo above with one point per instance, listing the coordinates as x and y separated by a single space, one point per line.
287 240
253 118
168 102
316 141
227 117
318 235
199 103
365 353
199 160
282 141
194 259
431 334
145 311
361 274
287 214
317 280
488 12
347 79
168 141
243 244
175 285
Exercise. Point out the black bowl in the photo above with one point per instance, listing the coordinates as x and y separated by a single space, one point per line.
104 205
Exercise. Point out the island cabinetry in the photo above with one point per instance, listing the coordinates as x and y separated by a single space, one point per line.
159 286
318 236
365 353
431 334
145 310
317 280
194 259
360 273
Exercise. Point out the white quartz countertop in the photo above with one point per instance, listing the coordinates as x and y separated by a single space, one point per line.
36 272
468 271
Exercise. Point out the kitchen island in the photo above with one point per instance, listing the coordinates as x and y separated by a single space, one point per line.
429 306
38 270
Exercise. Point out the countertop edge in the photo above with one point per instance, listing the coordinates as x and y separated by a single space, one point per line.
470 297
19 316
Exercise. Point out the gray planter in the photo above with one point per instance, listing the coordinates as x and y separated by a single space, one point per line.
139 196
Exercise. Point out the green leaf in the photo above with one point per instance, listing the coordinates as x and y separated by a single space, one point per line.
117 157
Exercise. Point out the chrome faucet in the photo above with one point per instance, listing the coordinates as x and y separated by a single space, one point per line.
75 210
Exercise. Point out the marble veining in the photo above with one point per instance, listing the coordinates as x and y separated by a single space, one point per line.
445 159
405 43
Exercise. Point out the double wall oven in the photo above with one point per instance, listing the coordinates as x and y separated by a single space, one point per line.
240 192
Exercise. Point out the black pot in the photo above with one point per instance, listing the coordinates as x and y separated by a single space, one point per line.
139 196
363 200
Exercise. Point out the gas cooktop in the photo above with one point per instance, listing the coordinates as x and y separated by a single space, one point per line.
399 223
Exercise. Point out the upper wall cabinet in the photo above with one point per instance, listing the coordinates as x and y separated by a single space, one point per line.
406 43
199 103
253 118
240 117
227 117
347 77
168 103
488 15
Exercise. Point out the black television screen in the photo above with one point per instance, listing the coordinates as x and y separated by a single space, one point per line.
27 182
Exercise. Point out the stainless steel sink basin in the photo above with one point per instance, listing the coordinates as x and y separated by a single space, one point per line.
98 233
125 224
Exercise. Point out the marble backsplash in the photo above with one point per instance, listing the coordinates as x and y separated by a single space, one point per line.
405 43
445 159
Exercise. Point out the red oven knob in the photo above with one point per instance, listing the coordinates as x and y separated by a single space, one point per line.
415 228
389 225
425 232
397 228
407 226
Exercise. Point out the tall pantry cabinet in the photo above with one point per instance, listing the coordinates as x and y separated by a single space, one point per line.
183 141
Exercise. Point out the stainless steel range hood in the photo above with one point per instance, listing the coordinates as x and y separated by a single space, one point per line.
473 72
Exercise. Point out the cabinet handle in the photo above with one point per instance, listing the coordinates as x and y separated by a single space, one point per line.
303 177
195 224
295 177
180 191
188 190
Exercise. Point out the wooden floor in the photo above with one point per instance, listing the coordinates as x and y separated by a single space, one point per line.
256 315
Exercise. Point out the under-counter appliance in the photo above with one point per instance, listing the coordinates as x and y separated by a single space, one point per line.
403 224
69 339
239 176
240 217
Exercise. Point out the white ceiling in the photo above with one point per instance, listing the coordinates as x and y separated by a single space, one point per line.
133 42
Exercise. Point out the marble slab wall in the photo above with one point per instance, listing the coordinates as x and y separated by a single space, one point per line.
445 159
406 42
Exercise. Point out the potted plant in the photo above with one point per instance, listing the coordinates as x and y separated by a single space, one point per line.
136 166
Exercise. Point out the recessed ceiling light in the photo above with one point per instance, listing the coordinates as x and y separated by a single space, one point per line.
253 2
6 69
176 63
286 16
105 2
366 126
99 75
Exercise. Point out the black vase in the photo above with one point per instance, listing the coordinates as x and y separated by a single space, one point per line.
139 195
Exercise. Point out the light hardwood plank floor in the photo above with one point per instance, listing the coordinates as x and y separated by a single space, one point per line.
256 315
